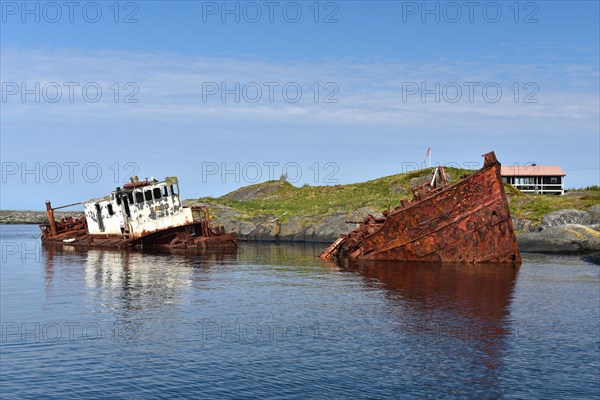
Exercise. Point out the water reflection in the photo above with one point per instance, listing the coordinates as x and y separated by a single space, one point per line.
460 312
139 323
138 280
483 291
476 297
293 254
478 294
449 312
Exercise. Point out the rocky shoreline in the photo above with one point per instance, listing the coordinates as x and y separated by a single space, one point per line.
560 232
30 217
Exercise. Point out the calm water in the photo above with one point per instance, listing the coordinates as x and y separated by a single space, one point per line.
276 322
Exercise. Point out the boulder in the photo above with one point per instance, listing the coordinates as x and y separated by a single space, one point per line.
331 226
525 225
293 230
595 211
419 180
568 216
396 188
564 239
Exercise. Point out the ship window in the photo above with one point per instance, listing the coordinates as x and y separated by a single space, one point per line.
110 209
130 197
139 197
119 199
148 195
156 193
165 191
553 179
173 190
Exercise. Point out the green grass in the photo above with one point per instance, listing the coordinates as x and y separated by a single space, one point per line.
290 201
535 207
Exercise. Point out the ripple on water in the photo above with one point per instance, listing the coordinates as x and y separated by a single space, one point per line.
274 321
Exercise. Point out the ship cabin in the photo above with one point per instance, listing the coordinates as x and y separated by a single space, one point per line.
138 209
538 179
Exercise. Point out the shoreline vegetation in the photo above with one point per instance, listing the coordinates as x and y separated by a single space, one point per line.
280 211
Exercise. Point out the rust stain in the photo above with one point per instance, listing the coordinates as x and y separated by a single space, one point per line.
466 222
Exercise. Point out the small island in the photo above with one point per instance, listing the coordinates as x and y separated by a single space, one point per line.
279 211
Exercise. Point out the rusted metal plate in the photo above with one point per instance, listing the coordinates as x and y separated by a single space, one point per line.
466 222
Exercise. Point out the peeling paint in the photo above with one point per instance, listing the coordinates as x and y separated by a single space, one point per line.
142 213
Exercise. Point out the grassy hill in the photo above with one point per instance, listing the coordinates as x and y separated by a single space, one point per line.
534 207
282 199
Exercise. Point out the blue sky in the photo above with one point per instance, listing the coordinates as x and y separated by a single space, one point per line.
393 78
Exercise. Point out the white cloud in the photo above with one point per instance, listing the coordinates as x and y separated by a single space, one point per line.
171 87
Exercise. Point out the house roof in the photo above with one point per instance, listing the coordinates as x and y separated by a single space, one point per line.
532 170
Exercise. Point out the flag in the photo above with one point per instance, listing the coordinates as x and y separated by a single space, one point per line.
428 152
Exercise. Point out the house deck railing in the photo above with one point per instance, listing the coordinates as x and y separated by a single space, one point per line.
540 188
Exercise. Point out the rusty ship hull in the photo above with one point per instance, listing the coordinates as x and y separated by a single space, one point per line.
466 222
198 236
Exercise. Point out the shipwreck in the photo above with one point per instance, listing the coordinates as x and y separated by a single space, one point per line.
465 222
141 214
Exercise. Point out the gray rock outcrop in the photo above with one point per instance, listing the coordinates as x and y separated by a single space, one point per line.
525 225
310 228
570 216
564 239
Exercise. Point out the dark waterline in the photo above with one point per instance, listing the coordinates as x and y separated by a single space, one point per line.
273 321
